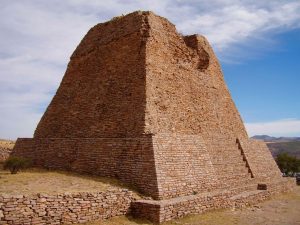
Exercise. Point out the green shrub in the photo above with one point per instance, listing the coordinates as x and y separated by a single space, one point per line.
14 164
288 164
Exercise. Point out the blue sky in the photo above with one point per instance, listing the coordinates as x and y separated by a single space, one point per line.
265 87
258 45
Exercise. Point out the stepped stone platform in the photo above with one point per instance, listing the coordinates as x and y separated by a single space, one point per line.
159 211
149 106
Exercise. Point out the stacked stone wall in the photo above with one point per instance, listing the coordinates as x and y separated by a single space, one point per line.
181 96
64 208
179 172
130 160
165 210
102 93
186 95
154 165
229 163
260 159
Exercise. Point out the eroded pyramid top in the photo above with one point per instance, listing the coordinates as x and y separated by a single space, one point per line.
136 75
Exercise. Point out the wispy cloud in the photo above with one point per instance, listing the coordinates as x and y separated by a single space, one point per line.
287 127
37 37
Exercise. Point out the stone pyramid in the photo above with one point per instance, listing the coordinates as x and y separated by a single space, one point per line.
146 105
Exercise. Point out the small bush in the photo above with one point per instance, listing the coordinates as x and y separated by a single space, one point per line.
288 164
14 164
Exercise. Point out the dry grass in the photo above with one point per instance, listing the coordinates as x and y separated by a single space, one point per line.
52 182
6 144
120 220
283 209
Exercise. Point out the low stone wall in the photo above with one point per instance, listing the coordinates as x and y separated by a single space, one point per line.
165 210
64 208
84 207
272 188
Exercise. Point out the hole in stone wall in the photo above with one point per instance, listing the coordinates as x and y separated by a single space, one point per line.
203 57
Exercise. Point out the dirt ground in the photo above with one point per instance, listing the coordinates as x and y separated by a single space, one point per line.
51 182
280 210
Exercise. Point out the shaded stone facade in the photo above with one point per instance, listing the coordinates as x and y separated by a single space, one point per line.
142 103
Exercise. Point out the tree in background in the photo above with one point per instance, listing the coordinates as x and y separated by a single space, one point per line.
288 165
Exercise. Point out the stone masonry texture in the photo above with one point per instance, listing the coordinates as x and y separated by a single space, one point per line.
64 208
142 103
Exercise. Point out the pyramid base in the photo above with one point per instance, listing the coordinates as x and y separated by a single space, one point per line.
165 210
129 160
162 166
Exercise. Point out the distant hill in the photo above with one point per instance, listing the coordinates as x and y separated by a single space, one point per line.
291 148
290 145
267 138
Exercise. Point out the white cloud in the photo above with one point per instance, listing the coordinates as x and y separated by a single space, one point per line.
287 127
38 36
243 23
